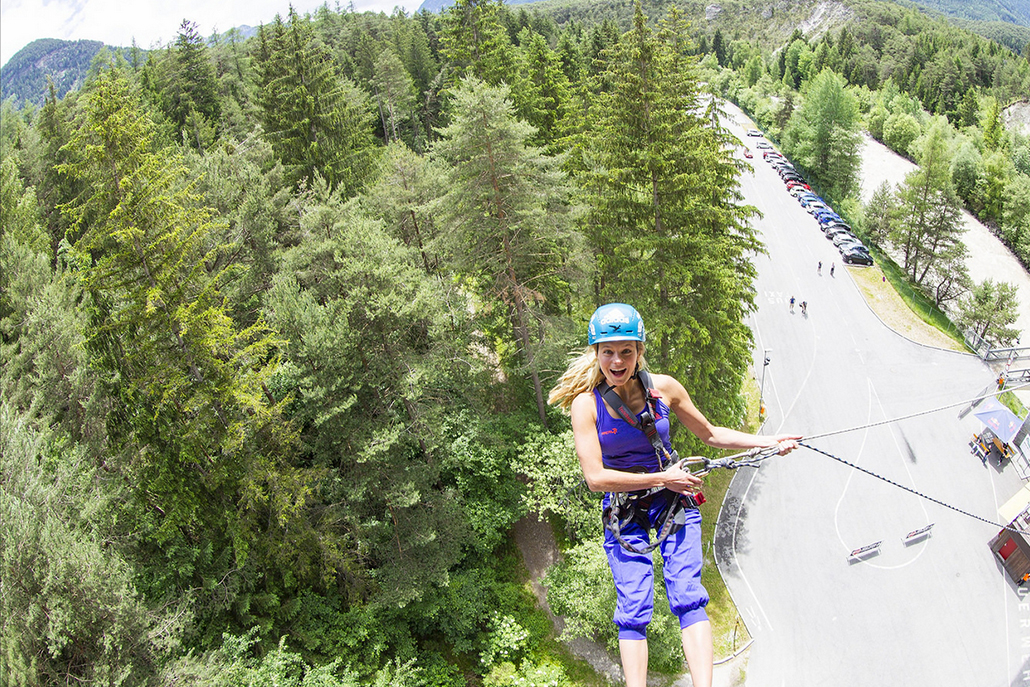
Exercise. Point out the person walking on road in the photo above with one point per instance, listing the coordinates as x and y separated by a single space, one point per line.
621 417
819 268
832 266
804 308
792 303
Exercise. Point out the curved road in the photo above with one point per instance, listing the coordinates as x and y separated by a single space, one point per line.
938 611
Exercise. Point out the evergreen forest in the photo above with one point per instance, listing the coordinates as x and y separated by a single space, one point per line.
279 314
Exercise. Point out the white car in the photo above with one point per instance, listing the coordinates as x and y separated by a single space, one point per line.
754 132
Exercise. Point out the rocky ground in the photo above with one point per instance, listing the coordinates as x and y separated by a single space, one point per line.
988 257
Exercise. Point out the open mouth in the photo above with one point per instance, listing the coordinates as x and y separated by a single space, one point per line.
617 373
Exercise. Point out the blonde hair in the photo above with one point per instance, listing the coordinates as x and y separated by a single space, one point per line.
583 375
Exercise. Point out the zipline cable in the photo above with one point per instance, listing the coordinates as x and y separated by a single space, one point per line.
754 457
912 491
923 412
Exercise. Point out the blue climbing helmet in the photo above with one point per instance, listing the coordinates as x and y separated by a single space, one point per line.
615 322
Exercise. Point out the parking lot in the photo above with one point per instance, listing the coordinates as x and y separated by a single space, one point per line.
934 610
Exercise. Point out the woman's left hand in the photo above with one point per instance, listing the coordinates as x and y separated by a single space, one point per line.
787 442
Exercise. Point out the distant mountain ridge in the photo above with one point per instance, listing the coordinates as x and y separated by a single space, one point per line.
1008 11
24 77
67 63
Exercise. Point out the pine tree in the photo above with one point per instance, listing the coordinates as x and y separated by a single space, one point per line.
503 213
669 234
474 41
394 93
990 310
542 93
402 197
193 101
318 123
191 425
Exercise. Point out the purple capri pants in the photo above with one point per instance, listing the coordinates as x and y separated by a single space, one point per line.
634 574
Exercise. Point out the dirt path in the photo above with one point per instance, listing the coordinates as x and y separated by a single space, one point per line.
539 551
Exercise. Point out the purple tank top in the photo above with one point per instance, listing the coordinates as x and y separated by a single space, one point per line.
623 446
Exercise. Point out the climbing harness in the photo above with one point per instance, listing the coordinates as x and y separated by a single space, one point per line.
625 508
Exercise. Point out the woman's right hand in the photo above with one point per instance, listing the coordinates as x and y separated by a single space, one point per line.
680 480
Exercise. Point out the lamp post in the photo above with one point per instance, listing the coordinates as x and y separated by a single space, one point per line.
761 387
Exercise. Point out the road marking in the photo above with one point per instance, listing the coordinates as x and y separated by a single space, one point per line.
836 513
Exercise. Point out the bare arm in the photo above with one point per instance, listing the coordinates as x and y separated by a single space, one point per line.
600 478
679 402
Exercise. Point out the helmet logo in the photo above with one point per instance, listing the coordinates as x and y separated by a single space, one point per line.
613 316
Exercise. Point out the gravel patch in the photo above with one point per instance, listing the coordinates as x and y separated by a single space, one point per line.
988 257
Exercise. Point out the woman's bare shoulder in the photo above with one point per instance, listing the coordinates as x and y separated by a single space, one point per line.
584 403
668 385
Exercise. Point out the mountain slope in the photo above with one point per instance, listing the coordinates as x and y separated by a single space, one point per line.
24 77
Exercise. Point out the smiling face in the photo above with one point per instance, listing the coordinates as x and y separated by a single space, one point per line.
618 360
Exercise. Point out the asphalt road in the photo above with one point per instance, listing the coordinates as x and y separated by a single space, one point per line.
935 612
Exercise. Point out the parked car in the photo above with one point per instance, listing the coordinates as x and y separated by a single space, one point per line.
837 232
827 216
754 132
798 184
771 155
762 145
831 227
798 192
856 256
843 238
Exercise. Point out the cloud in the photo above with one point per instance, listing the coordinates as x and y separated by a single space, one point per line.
150 22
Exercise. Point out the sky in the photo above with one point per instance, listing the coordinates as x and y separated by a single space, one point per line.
150 22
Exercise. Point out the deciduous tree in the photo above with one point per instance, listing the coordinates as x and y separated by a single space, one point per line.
822 135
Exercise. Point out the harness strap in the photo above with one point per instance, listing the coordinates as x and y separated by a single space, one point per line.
633 511
625 508
647 423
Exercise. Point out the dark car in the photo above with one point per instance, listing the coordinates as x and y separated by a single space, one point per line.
856 256
827 217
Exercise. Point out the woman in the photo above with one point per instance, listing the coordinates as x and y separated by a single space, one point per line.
617 456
